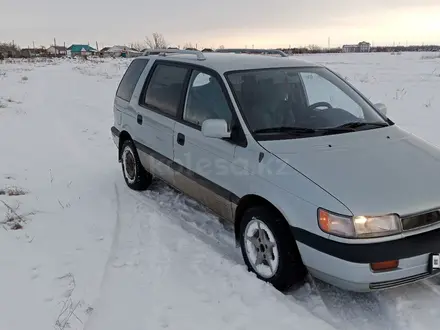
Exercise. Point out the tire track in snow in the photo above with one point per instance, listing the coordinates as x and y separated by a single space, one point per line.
116 232
113 250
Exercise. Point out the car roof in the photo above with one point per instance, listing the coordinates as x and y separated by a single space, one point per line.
223 62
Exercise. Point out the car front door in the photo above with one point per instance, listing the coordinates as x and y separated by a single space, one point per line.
206 168
159 104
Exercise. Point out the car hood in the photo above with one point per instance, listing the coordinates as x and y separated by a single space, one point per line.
372 172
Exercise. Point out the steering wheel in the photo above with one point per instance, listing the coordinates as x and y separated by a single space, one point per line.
320 104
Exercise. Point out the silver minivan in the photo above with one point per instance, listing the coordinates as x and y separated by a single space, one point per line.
314 177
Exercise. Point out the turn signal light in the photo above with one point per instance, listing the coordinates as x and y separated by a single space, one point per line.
385 265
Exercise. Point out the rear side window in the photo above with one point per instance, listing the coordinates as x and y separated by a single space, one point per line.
130 79
164 91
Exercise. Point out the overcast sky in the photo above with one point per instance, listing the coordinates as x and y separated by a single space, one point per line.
233 23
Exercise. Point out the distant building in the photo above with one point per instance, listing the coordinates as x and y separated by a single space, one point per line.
80 50
32 52
103 51
57 50
119 51
362 47
349 48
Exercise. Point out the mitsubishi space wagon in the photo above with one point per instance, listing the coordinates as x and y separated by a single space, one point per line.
314 178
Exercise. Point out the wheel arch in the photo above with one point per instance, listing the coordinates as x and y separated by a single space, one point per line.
123 136
247 202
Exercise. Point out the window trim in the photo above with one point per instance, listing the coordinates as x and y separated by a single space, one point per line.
304 94
143 104
199 127
125 73
239 137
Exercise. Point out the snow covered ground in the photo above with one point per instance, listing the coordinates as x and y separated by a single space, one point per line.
79 250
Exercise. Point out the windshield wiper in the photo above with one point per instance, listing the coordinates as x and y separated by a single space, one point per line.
293 130
356 124
285 129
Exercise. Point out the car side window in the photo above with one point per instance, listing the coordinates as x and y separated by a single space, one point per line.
319 89
129 80
205 100
165 88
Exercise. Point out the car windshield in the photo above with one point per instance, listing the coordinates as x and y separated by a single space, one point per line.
300 101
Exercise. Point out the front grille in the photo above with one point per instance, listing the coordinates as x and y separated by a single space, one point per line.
421 220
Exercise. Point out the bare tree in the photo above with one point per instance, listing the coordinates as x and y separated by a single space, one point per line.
221 47
157 42
137 45
9 45
9 49
314 47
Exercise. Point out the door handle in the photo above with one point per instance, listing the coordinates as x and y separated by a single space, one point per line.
180 139
139 119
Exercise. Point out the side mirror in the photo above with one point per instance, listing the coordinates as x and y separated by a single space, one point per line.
216 128
382 108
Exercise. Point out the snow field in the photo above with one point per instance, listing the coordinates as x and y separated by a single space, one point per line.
81 250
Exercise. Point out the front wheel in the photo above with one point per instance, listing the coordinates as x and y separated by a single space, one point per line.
269 249
136 177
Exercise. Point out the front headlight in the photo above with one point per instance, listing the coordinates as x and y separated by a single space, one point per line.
358 226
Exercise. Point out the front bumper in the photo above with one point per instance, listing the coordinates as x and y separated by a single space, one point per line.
348 265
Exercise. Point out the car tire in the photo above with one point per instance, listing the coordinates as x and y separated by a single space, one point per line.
270 230
136 177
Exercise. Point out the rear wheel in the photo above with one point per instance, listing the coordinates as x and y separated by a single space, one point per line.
269 249
136 177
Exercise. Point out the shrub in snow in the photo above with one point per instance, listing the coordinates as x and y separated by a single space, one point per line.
13 191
